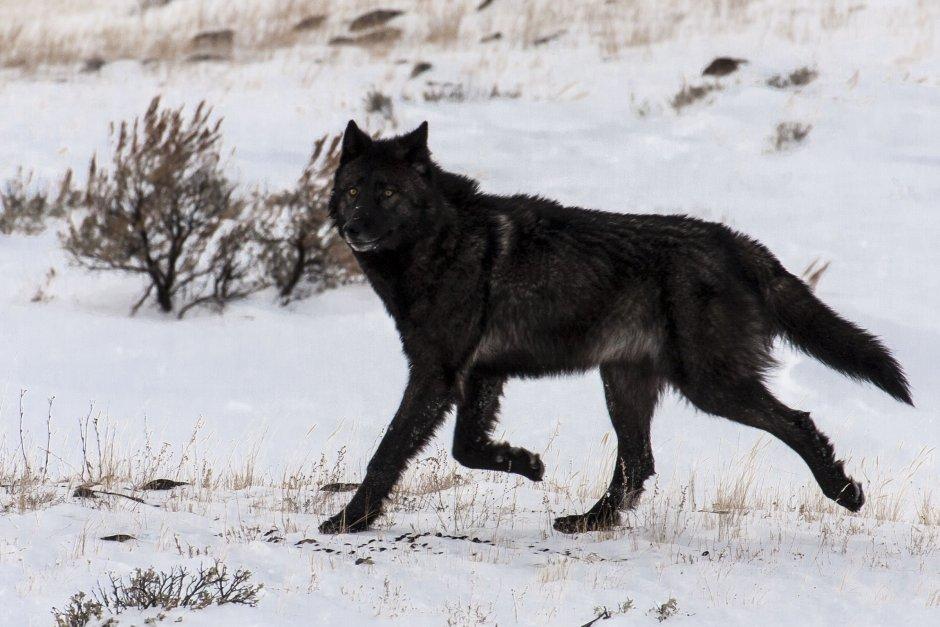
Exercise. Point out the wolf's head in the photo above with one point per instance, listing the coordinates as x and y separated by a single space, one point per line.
383 195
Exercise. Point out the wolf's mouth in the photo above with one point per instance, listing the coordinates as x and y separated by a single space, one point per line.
361 246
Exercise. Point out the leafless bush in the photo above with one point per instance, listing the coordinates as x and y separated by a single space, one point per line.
789 134
167 212
690 94
377 103
458 92
296 242
152 4
797 78
665 611
146 589
24 209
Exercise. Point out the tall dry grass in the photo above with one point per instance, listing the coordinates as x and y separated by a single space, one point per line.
56 32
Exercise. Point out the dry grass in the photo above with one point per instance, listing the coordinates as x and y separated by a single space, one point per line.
747 515
787 135
108 30
690 94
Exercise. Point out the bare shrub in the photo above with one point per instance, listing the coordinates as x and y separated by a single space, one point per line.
381 105
146 589
458 92
789 134
24 209
797 78
297 248
690 94
167 212
665 611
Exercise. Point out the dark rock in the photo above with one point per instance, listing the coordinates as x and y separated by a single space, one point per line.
118 537
311 22
93 64
162 484
374 38
722 66
84 492
372 19
420 68
494 37
214 39
339 487
548 38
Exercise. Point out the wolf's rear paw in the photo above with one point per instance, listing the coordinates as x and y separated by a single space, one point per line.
851 497
581 523
344 523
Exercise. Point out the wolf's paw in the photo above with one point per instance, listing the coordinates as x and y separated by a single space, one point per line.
591 521
528 464
851 497
343 522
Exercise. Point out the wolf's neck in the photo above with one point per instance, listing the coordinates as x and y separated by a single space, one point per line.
458 190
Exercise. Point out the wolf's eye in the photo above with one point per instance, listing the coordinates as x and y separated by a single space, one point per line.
388 193
353 192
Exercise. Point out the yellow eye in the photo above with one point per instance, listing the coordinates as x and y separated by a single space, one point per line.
387 193
353 192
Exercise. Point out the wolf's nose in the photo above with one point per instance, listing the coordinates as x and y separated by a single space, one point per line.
353 230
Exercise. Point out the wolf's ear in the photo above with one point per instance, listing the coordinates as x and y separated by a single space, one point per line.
415 148
355 142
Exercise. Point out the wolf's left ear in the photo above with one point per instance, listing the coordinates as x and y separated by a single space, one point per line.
355 142
415 148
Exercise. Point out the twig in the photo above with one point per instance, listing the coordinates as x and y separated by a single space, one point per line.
45 463
22 441
83 434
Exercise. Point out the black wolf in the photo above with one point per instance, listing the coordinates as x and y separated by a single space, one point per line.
484 287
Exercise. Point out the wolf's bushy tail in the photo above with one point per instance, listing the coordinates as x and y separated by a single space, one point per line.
815 328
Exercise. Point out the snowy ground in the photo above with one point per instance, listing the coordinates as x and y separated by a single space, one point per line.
262 405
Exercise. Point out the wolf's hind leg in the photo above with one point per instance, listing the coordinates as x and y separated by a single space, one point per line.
750 403
632 391
476 417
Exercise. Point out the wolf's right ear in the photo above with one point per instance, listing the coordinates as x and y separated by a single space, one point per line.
355 142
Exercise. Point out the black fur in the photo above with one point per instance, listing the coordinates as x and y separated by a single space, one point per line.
484 287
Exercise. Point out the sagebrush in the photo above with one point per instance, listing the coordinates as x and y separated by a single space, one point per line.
166 211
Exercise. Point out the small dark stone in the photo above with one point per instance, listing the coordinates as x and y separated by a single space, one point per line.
339 487
494 37
162 484
84 492
204 57
373 38
214 38
118 537
548 38
364 560
722 66
372 19
93 64
420 68
311 22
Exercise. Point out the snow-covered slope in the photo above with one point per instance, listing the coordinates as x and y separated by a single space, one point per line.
734 529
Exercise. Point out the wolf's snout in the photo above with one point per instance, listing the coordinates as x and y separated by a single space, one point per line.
360 236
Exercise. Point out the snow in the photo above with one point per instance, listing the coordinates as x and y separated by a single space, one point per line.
266 391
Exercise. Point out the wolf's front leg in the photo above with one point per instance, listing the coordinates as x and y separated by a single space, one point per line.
426 401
